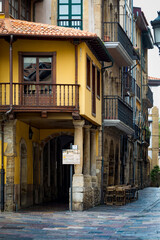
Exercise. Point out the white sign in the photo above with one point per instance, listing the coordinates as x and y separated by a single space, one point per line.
74 147
71 156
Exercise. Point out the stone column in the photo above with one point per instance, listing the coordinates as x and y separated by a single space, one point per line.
86 167
10 153
78 140
93 157
93 152
78 179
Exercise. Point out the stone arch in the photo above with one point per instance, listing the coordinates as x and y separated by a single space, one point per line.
55 175
58 134
23 173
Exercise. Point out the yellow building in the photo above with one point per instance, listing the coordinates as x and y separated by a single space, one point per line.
50 97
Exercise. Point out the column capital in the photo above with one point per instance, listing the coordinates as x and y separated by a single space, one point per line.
93 130
78 123
87 127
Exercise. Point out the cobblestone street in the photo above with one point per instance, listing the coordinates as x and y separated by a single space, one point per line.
134 221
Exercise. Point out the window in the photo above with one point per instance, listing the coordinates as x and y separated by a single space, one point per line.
38 68
98 83
138 91
70 13
1 6
93 91
88 73
13 8
25 10
20 9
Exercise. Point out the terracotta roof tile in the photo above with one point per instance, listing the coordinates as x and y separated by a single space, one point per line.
153 78
18 27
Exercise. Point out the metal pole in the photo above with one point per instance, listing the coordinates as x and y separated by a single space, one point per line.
2 169
70 183
70 188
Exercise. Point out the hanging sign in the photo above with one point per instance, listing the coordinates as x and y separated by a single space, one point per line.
71 156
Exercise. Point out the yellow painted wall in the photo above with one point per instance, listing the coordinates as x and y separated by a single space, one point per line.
65 68
85 93
29 143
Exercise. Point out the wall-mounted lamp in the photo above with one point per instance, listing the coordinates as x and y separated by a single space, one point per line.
30 133
156 29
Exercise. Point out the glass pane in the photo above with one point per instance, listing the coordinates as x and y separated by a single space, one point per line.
45 75
63 9
0 6
45 60
45 63
76 9
63 1
29 68
76 1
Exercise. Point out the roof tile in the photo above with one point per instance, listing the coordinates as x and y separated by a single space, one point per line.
18 27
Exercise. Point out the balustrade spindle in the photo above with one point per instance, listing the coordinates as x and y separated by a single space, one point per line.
68 95
5 93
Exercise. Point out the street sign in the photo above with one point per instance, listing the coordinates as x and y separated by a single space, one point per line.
71 156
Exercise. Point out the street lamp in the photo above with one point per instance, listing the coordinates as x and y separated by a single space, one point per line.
156 28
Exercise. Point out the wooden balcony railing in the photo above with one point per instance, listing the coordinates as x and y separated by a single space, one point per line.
73 23
116 109
33 96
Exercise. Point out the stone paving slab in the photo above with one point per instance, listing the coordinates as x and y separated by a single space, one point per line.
139 220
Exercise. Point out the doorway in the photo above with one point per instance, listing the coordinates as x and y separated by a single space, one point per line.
56 176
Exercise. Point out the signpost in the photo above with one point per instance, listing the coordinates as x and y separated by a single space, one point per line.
71 157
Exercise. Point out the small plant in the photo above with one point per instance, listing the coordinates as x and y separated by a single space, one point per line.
155 176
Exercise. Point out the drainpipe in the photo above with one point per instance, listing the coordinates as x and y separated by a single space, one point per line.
141 114
2 123
125 28
2 167
102 168
11 70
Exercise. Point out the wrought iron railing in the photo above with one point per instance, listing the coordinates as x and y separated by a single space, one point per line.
35 95
150 95
116 109
128 83
73 23
113 32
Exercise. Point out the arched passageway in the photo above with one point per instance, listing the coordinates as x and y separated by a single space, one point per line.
55 174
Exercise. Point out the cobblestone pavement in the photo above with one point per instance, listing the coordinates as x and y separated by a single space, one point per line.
138 220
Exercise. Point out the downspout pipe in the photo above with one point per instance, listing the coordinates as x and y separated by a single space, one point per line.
125 15
11 70
102 168
2 167
2 123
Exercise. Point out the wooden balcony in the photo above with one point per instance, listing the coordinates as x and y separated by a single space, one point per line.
33 97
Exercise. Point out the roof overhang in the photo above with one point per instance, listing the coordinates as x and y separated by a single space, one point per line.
119 125
119 54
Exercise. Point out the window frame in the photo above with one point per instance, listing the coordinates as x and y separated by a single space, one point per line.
18 15
88 86
93 79
98 84
37 55
67 18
